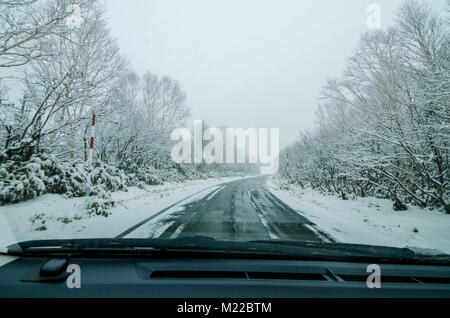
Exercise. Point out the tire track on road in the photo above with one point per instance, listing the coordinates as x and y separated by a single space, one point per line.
136 226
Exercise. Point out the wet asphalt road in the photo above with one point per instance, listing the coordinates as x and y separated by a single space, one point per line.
241 210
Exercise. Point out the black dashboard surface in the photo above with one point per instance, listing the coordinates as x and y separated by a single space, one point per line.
214 278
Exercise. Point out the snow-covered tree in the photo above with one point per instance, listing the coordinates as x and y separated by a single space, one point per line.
383 128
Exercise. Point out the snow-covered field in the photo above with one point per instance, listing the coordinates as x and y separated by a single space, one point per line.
369 220
52 216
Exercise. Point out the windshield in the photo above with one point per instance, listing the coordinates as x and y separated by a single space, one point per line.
292 122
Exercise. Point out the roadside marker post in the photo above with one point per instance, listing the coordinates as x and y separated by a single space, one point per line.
90 154
287 167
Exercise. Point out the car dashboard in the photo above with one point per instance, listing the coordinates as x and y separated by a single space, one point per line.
174 277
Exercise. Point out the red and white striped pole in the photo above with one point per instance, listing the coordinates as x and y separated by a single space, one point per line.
91 148
287 166
91 141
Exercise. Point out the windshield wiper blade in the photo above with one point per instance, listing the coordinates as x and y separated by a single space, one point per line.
384 253
205 246
354 248
85 245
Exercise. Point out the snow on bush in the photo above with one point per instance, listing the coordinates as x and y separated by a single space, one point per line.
23 178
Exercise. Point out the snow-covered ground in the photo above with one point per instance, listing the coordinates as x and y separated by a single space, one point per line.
369 220
52 216
362 221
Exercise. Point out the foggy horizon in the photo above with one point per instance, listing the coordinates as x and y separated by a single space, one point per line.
242 64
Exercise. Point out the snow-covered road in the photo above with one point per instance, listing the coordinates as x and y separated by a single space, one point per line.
231 209
237 210
53 216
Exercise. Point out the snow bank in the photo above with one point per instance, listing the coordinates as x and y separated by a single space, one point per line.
368 220
53 216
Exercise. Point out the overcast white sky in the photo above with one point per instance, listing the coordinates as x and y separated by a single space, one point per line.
246 63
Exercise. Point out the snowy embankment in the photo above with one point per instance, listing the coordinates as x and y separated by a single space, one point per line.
53 216
369 220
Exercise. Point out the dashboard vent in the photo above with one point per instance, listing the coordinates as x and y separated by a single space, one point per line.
238 275
295 276
288 276
198 274
434 280
384 279
399 279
